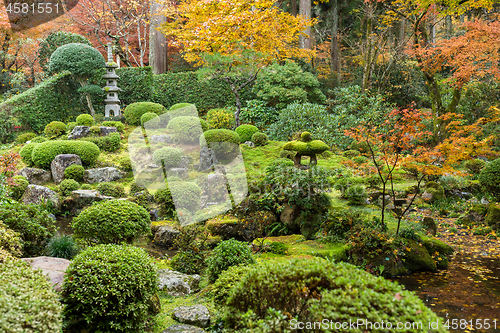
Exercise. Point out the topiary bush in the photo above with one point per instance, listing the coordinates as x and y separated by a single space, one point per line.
489 177
44 153
28 303
112 287
225 143
62 246
118 124
109 143
53 41
17 188
341 291
226 254
86 187
39 139
134 111
220 119
10 241
259 139
85 120
67 186
25 137
112 221
34 225
186 129
152 119
170 156
74 171
25 153
55 128
245 132
186 194
163 197
111 189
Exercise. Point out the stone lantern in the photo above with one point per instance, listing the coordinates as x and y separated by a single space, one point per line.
111 88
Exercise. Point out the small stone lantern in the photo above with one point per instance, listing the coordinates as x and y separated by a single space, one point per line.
111 88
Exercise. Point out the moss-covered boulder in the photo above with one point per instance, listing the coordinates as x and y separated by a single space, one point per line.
492 218
417 258
433 192
429 225
435 245
306 146
227 227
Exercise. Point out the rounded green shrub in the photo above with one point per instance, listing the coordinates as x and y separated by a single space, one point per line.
84 120
225 143
125 163
259 139
187 194
74 171
62 246
475 166
108 143
112 287
44 153
80 59
163 198
118 124
55 128
111 189
134 111
226 254
25 137
34 225
204 125
170 156
342 292
112 221
86 187
135 188
67 186
71 126
226 281
246 131
10 241
28 303
220 119
186 129
489 177
188 262
179 106
153 119
38 139
356 195
16 190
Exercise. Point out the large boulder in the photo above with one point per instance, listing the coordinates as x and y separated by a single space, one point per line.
183 328
418 259
82 198
181 173
176 283
53 268
196 315
493 216
101 175
105 131
36 176
429 225
207 159
433 192
35 194
79 132
289 217
60 163
165 235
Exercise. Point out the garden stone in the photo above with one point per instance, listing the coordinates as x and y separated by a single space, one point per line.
53 268
35 194
176 283
60 163
186 162
430 225
161 138
418 258
105 131
220 169
484 201
183 328
165 235
250 144
153 214
289 216
399 202
101 175
79 132
493 216
196 315
84 198
207 159
433 192
53 217
36 176
181 173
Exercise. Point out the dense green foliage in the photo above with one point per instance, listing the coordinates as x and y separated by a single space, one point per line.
25 153
67 186
170 157
490 177
84 120
220 119
111 189
133 112
110 143
186 194
25 137
55 128
28 303
16 190
10 242
152 118
245 132
475 166
226 281
112 221
257 113
280 85
260 139
136 84
44 153
53 41
111 287
225 143
118 124
62 246
186 129
163 198
79 59
74 171
226 254
33 224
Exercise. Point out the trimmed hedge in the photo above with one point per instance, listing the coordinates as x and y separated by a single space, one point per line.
225 143
84 120
246 131
44 153
220 118
260 139
150 116
25 153
55 128
186 129
134 111
74 171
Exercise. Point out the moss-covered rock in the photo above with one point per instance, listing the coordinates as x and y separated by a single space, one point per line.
417 258
435 245
430 225
492 218
227 228
433 192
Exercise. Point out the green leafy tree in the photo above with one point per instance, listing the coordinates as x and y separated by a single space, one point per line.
53 41
82 61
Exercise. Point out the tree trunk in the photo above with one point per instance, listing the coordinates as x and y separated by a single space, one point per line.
87 96
294 7
158 47
448 26
305 11
335 50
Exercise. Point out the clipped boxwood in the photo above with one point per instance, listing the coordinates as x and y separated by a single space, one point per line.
68 185
342 292
185 194
186 129
246 131
112 287
34 225
118 124
39 139
259 139
112 221
153 119
109 143
74 171
111 189
44 153
71 126
170 156
25 137
226 254
220 119
179 106
17 188
85 120
28 303
134 111
225 143
55 128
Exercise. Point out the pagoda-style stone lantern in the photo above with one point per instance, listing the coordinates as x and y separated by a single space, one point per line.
111 88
